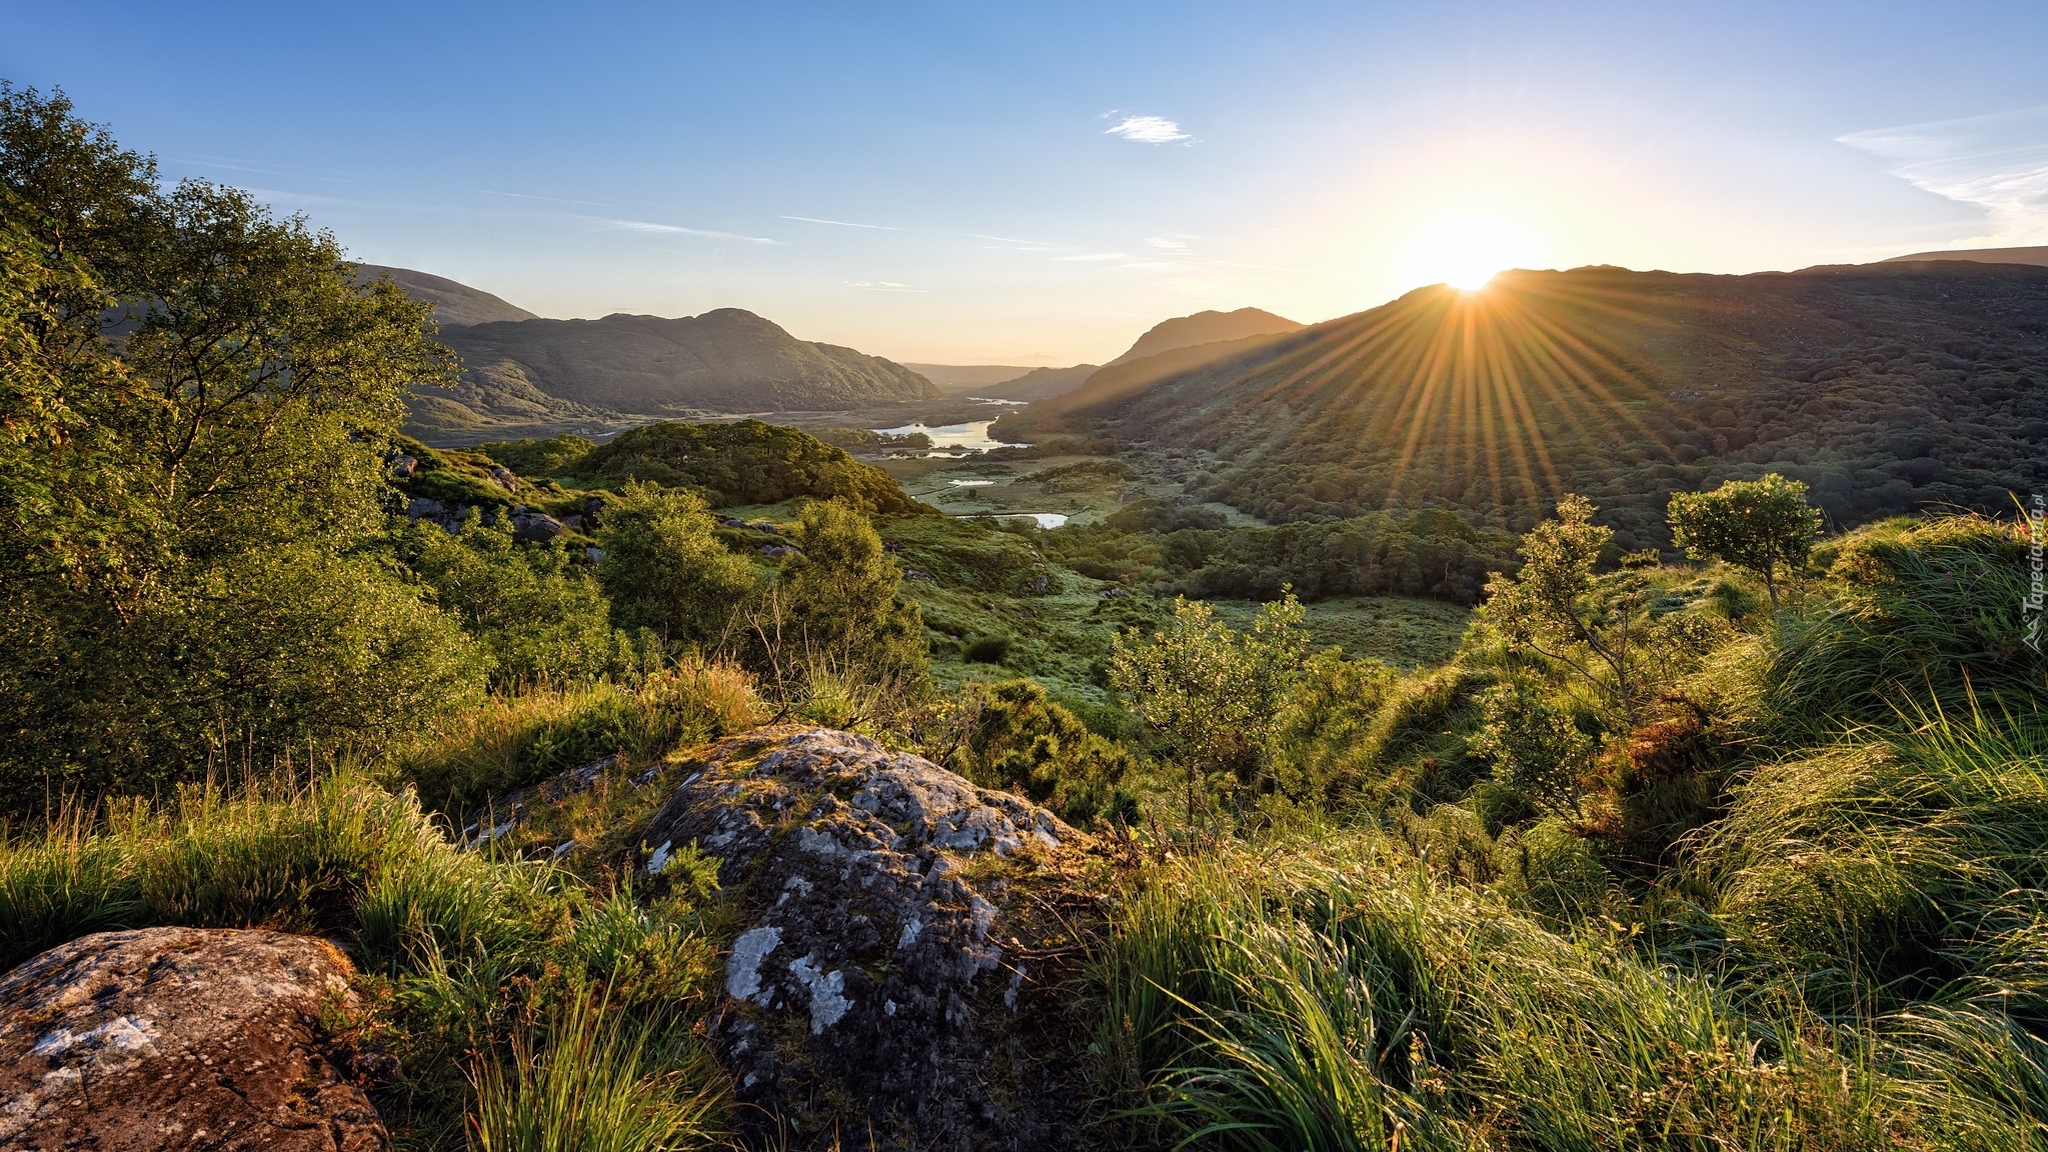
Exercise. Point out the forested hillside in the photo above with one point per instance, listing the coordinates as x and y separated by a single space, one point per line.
1886 388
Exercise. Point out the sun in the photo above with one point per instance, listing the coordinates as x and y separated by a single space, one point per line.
1468 252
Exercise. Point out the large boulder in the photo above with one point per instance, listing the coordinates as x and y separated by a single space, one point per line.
177 1038
890 972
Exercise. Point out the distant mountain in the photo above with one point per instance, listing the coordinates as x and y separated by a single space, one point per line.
959 379
454 304
1039 383
1205 328
2037 255
1887 387
729 360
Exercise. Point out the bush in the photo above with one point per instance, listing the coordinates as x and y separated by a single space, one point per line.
986 650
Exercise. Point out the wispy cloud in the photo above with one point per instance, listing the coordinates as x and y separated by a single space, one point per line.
548 199
1148 130
678 230
843 223
1173 243
1997 162
881 286
1086 257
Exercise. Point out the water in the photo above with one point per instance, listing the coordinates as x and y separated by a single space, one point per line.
969 483
1045 519
972 435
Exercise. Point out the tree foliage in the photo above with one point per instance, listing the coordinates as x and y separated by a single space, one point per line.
196 399
665 571
1760 526
1209 694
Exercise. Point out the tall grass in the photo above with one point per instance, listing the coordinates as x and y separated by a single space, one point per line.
1332 995
591 1080
512 741
460 951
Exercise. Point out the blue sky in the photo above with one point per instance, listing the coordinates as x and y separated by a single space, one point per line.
948 182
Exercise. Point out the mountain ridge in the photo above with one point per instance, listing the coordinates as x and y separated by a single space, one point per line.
1886 387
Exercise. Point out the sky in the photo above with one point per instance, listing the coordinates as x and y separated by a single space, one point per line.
1039 183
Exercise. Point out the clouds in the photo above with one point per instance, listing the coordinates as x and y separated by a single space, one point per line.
1998 162
677 230
1148 130
881 286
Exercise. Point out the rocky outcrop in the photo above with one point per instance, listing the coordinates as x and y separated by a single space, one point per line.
888 971
180 1037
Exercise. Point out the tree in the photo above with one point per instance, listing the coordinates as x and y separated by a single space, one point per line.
1756 525
666 571
196 397
1209 694
833 609
1556 607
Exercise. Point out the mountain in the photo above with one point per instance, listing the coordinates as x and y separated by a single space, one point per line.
962 378
729 360
455 305
2037 255
1888 388
1039 383
1205 328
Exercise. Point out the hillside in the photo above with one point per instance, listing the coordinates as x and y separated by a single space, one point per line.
1885 387
726 360
2036 255
455 305
1039 383
961 378
1205 328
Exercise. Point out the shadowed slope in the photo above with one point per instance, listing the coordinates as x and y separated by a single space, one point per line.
1883 387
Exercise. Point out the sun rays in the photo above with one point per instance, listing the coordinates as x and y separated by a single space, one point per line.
1467 398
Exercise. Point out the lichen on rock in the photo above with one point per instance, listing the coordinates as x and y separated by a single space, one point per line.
873 887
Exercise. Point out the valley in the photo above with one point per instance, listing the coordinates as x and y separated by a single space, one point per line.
1583 709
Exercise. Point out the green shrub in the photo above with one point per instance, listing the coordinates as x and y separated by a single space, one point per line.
986 650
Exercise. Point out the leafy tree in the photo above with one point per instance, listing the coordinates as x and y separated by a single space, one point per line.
1556 607
1534 747
540 614
834 609
665 571
196 395
1209 694
1756 525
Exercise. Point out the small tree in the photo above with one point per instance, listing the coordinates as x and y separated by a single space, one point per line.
832 619
664 570
1211 694
1756 525
1558 608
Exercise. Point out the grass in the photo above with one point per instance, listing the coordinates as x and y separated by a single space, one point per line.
1400 630
464 956
516 740
590 1080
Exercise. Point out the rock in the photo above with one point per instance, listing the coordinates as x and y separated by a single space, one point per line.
776 551
871 970
504 478
919 575
403 467
593 555
425 508
536 527
573 521
180 1037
